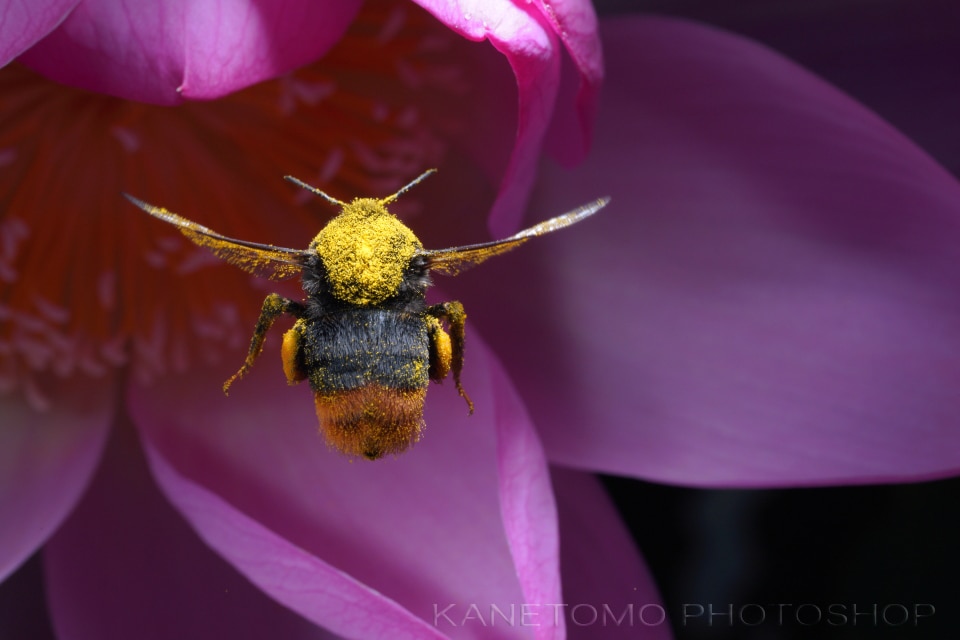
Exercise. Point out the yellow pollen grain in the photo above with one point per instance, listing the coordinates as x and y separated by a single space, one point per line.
365 251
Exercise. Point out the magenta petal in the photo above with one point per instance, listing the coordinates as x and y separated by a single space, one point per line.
126 565
771 299
46 459
902 62
534 54
608 591
576 23
23 23
163 53
364 549
526 495
571 129
291 575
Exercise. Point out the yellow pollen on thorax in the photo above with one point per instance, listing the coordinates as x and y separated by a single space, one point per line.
365 251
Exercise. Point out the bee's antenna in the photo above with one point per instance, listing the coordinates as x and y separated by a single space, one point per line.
316 191
412 184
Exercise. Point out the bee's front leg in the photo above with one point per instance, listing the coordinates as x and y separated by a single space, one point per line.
446 352
273 307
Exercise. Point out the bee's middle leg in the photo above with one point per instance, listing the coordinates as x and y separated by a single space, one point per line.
273 307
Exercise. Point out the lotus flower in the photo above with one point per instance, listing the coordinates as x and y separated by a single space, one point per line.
755 309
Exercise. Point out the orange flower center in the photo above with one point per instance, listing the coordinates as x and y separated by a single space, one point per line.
89 283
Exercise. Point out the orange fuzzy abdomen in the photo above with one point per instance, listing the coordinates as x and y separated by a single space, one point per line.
372 420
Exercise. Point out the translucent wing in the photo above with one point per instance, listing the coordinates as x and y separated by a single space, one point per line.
453 261
264 260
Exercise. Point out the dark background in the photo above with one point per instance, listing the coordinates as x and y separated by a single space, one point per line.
883 545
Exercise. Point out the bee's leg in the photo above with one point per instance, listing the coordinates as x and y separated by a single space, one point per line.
446 352
441 351
273 307
292 353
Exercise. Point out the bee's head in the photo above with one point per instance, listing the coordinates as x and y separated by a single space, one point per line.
365 251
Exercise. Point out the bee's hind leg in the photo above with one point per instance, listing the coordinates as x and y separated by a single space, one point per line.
273 307
446 353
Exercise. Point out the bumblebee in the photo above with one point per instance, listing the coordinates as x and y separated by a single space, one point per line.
364 335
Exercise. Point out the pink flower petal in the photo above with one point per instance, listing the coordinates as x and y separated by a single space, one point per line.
126 565
293 576
164 53
365 549
534 54
46 459
608 591
571 129
897 57
23 23
575 22
771 299
526 494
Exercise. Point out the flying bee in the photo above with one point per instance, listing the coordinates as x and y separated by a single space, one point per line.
364 335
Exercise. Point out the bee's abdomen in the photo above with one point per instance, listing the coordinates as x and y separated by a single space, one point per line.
369 370
371 421
354 348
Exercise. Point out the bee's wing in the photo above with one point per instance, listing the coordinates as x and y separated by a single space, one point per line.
453 261
264 260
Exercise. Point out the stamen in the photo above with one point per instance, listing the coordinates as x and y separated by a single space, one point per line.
148 349
38 401
379 112
196 260
392 25
409 117
90 364
52 312
107 290
128 139
331 165
155 259
114 352
13 231
297 91
36 353
98 285
8 376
